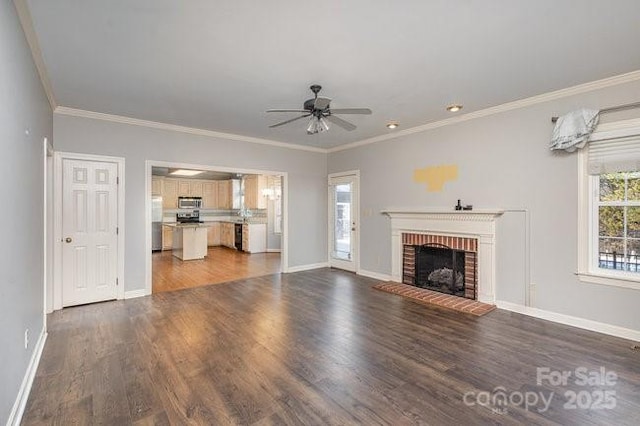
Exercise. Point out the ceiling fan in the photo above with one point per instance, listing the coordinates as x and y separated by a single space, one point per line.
319 109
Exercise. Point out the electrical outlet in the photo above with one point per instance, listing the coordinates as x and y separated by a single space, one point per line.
26 339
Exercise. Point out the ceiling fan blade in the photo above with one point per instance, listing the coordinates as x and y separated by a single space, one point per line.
286 110
340 122
351 111
289 121
321 103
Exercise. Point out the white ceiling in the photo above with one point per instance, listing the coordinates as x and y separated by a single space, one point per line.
218 65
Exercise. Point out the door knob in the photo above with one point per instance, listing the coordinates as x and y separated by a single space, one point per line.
68 240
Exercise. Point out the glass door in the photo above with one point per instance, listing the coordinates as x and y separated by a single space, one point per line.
343 226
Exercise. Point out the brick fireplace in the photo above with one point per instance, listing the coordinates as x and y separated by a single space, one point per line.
472 232
424 255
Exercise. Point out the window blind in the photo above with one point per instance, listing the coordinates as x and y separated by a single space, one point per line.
614 155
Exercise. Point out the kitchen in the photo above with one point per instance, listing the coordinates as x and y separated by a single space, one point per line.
210 227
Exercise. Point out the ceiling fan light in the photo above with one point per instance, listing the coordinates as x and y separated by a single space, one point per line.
312 128
323 126
320 113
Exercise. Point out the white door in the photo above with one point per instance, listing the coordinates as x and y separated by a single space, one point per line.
89 231
343 221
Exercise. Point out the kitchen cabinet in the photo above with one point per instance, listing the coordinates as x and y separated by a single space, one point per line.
184 188
189 241
167 237
218 195
227 234
254 237
253 186
171 189
213 234
170 194
195 188
156 185
224 194
210 195
189 188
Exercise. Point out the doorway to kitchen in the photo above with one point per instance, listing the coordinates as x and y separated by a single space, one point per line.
209 225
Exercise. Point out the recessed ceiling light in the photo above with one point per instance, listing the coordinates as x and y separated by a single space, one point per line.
454 108
184 172
392 125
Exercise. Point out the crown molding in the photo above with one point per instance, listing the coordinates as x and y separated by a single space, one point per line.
62 110
32 40
521 103
509 106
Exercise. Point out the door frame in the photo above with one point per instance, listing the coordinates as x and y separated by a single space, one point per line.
149 164
356 213
48 227
58 157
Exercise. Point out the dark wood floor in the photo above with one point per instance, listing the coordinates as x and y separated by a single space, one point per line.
221 265
314 348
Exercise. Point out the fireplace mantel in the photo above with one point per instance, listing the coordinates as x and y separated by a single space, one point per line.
479 224
479 214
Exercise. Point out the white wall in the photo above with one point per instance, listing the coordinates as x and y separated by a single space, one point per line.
306 171
23 106
504 162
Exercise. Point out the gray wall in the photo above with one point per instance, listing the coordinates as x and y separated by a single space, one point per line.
307 175
504 163
23 106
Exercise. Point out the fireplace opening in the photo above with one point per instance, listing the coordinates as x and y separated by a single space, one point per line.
441 268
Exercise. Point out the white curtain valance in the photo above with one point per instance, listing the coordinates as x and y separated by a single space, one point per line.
614 155
572 130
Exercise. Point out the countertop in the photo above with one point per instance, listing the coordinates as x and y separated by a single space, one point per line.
251 221
186 225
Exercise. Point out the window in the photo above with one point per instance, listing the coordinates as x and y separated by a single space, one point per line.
617 209
609 217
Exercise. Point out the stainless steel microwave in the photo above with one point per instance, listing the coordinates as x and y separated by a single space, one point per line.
189 202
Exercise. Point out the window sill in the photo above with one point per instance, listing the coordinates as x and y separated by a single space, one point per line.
612 280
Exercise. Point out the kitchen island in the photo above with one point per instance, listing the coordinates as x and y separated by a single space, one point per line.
189 240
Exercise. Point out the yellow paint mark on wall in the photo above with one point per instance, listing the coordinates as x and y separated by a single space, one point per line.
436 176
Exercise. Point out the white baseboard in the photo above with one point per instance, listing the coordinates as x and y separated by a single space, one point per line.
600 327
308 267
15 417
273 250
374 275
132 294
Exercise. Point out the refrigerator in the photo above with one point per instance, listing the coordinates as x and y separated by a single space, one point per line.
156 223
